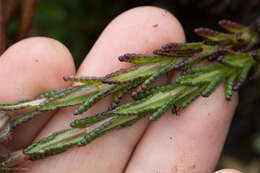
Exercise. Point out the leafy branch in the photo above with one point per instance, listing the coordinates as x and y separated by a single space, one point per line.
221 57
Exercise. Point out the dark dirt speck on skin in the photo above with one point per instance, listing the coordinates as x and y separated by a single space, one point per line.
155 25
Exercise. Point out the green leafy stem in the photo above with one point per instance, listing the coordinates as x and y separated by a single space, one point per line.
232 58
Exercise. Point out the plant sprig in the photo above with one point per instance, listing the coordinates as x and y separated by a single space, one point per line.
222 57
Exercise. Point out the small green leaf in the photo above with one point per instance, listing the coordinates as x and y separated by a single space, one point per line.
11 160
94 99
232 26
179 49
168 104
98 131
238 60
84 79
185 100
229 85
5 131
213 84
198 78
138 72
147 83
148 104
213 35
143 59
52 93
77 95
154 90
23 118
121 92
109 125
84 122
243 75
21 106
56 143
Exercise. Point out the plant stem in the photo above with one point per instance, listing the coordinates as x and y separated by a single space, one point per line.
2 28
27 16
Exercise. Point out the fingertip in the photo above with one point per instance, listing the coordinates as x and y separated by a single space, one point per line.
37 64
138 30
228 171
156 25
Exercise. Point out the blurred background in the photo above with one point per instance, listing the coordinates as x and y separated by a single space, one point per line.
78 23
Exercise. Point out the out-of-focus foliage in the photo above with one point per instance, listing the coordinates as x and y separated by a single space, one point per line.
78 24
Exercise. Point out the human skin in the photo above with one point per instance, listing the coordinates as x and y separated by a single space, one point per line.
190 142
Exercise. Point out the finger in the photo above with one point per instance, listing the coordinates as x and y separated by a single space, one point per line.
28 68
132 31
190 142
228 171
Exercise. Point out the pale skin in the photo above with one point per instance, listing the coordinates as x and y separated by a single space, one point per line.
191 142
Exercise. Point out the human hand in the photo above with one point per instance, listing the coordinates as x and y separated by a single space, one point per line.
190 142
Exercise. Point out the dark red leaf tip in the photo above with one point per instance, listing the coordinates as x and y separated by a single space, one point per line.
228 97
224 51
238 84
66 78
159 52
126 56
206 32
172 45
220 58
238 37
255 55
229 24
